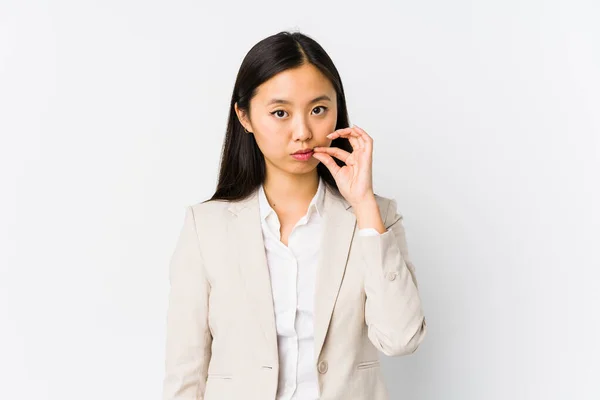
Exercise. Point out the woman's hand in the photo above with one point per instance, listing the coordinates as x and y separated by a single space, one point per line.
354 180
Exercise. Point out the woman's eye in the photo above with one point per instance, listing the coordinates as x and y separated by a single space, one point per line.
281 114
278 113
323 107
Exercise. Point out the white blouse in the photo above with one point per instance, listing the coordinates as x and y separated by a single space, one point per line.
293 270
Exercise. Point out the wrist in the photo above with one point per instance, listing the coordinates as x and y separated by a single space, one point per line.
368 215
367 202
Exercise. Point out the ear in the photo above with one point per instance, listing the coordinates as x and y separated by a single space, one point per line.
243 118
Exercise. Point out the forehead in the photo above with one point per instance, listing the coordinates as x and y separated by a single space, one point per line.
298 85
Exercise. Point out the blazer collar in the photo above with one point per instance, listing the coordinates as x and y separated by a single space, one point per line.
252 201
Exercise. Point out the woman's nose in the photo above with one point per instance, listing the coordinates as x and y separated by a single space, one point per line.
302 132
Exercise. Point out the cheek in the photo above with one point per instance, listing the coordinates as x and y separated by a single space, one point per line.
326 129
330 124
271 142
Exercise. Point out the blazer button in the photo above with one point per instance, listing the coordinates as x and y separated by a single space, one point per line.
323 367
391 276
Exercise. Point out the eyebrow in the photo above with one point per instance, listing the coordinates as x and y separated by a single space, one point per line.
283 101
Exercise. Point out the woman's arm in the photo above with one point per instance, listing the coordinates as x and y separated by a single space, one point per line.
393 313
393 308
188 338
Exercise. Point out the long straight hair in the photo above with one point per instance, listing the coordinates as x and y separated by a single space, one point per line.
242 168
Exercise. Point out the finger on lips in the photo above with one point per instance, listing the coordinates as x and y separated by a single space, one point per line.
327 160
335 151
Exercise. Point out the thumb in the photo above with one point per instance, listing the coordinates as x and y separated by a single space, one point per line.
329 162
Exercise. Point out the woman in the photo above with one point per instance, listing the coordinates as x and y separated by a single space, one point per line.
291 278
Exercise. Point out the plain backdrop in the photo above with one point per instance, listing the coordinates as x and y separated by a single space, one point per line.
486 122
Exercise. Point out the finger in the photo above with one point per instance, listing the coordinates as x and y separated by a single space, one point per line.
341 133
329 162
368 140
354 141
334 151
335 134
356 138
356 144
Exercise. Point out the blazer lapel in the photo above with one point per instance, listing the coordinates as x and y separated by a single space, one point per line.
252 263
246 234
339 224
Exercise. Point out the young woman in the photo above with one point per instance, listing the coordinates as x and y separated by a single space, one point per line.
291 278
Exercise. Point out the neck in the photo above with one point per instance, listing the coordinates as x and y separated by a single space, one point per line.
281 188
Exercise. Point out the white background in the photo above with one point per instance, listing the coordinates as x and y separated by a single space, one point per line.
486 120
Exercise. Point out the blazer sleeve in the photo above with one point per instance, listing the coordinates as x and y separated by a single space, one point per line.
188 337
393 312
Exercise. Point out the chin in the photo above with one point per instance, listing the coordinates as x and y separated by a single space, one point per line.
305 168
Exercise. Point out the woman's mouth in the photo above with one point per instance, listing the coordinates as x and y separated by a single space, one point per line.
303 155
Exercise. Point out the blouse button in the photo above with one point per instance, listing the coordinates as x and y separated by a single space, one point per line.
391 276
323 367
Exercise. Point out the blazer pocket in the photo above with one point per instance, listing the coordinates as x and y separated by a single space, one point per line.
219 376
368 364
220 386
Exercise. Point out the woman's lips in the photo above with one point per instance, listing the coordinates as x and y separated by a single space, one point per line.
303 156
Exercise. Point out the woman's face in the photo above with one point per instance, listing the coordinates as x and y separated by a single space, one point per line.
293 111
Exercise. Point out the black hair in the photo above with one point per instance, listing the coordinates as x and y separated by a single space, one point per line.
242 168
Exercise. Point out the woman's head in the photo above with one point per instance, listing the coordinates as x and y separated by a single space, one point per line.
287 97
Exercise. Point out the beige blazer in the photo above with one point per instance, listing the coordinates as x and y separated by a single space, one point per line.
221 340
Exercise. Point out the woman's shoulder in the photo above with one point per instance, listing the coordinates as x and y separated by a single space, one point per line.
217 209
210 208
